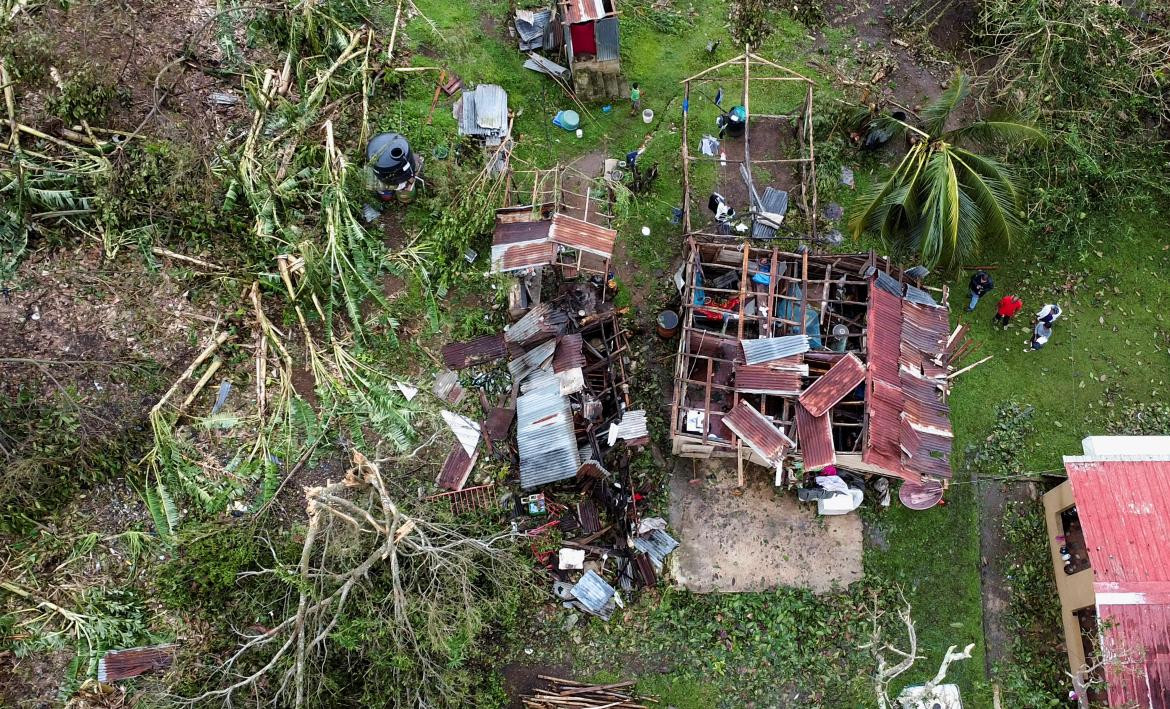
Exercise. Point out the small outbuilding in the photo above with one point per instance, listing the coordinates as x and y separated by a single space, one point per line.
592 47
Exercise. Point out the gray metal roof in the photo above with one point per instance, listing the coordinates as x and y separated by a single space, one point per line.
484 113
594 594
657 544
541 321
531 27
545 66
545 437
774 201
766 349
888 283
915 294
532 360
631 428
608 42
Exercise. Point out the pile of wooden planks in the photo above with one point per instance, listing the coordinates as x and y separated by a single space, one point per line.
567 694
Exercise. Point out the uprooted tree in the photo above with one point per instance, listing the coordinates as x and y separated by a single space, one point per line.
411 589
915 697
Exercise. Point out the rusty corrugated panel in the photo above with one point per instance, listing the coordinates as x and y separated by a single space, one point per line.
644 569
460 355
884 334
447 387
588 517
583 10
712 344
519 232
814 435
520 257
591 469
883 447
124 664
1123 511
569 353
760 379
931 455
842 378
456 469
540 323
583 236
532 360
499 423
525 213
761 435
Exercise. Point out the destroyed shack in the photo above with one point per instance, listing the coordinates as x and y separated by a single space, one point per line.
801 361
592 47
483 113
557 230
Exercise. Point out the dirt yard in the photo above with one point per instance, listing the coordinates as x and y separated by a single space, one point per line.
758 540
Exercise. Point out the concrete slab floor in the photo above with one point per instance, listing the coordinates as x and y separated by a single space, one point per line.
758 540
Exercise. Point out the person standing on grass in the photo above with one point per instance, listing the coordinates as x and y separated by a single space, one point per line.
1040 335
1049 314
981 284
1009 305
635 98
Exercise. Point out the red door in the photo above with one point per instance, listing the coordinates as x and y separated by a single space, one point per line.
583 40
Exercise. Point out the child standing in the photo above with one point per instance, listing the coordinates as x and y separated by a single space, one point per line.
635 98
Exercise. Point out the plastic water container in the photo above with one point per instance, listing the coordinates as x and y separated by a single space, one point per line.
647 116
570 120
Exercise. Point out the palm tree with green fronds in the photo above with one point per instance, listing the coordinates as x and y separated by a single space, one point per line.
945 203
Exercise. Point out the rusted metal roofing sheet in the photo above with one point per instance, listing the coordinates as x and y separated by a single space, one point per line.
124 664
545 437
883 446
766 349
460 355
931 454
814 435
520 232
588 517
761 435
499 423
583 10
842 378
1123 510
760 379
569 354
608 41
447 387
923 327
884 334
712 344
541 322
521 257
581 235
456 468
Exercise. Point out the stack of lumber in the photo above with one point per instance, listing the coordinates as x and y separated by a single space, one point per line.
567 694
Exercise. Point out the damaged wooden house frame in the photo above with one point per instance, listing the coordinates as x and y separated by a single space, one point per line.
767 204
545 223
816 359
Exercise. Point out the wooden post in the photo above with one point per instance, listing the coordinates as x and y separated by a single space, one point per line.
686 159
747 156
812 165
772 278
804 294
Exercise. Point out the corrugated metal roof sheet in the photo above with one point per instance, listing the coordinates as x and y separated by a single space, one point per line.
774 201
814 435
499 423
531 26
520 257
483 112
541 322
608 41
581 235
916 295
632 428
545 437
842 378
460 355
1124 513
520 231
594 594
537 357
656 544
761 435
583 10
569 353
762 379
447 387
456 468
712 344
888 283
766 349
536 62
588 517
124 664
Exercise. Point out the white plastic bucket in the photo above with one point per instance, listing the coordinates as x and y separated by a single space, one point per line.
647 115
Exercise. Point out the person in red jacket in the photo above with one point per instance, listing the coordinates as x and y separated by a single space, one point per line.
1009 305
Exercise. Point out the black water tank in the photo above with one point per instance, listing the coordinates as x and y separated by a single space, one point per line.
389 155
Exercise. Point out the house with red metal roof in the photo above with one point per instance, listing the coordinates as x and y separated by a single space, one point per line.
1108 528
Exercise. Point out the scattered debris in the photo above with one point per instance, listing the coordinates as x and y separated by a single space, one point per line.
532 26
563 693
123 664
483 113
594 595
538 63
